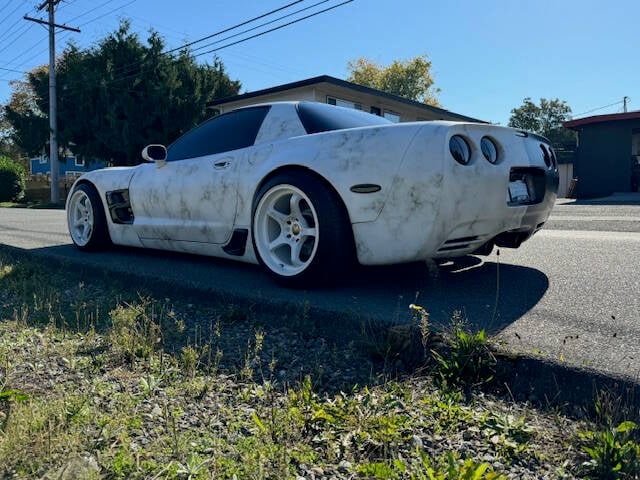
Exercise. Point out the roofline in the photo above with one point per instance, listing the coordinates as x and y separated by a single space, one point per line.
340 83
610 117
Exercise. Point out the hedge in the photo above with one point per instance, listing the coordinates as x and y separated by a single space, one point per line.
12 180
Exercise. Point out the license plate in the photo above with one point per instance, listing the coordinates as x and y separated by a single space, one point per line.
519 192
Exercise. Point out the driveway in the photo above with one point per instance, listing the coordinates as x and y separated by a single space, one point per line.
570 294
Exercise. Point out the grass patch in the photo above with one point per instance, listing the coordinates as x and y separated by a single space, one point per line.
98 380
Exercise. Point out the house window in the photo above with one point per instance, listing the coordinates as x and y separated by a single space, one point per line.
343 103
394 117
376 111
79 161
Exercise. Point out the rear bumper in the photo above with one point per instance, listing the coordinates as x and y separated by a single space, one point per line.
439 208
534 216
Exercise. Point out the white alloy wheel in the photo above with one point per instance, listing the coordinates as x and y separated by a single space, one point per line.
286 230
80 218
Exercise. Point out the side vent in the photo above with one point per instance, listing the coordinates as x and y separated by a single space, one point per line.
120 207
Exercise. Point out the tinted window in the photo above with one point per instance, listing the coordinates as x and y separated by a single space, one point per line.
318 117
231 131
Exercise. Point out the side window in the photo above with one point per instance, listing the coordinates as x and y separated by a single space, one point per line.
231 131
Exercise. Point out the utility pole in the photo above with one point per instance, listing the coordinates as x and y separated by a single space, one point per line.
53 121
625 100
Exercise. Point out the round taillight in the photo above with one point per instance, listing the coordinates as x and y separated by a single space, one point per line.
460 149
489 150
547 157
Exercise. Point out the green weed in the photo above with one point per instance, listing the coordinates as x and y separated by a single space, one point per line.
613 453
467 360
135 333
509 434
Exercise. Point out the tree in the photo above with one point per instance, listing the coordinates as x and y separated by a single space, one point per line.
410 78
545 119
24 124
120 95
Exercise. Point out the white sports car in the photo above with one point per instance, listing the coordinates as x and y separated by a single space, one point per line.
305 189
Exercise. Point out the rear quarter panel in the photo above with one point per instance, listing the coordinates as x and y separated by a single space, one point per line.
344 158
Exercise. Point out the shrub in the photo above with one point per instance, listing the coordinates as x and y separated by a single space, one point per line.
12 180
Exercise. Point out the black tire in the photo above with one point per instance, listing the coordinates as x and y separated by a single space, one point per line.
99 237
335 251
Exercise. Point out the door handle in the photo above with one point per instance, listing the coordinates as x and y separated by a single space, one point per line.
222 164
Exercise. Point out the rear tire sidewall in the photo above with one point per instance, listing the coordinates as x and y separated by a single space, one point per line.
334 250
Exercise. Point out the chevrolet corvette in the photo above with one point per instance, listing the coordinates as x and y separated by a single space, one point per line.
307 189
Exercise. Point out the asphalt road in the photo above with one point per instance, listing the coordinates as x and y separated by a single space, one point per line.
570 294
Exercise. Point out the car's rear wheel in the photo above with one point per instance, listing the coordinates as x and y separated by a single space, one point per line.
301 232
86 219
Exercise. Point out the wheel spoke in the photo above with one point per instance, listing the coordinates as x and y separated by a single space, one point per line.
296 247
309 232
280 240
294 205
279 217
85 231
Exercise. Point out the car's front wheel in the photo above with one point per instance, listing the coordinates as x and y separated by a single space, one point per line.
301 232
86 219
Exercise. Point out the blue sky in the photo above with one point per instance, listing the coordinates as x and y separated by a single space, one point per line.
487 55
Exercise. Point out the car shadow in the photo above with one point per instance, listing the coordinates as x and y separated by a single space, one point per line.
489 295
486 294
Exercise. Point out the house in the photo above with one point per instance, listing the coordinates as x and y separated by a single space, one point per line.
608 154
70 165
565 154
334 91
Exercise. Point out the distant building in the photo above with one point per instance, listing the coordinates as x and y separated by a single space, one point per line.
70 165
608 155
326 89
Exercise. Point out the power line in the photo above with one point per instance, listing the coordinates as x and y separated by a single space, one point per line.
186 45
259 26
274 29
599 108
12 30
62 37
20 55
5 6
91 10
108 13
13 11
127 69
11 70
129 74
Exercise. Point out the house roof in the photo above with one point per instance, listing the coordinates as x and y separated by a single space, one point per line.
612 117
345 84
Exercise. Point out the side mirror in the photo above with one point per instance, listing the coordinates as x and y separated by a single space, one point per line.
155 153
